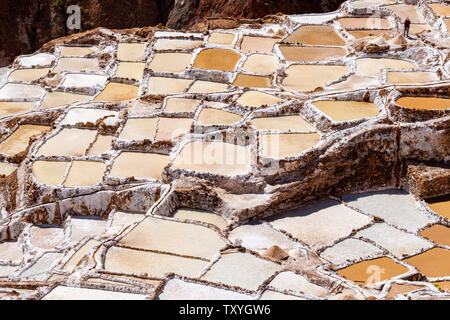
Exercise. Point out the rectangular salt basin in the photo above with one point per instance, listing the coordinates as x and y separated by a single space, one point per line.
13 108
68 142
181 105
75 51
424 103
176 44
59 99
22 92
130 70
39 59
285 145
309 77
118 92
46 236
77 65
347 110
373 66
79 80
440 9
202 216
139 129
170 128
309 54
364 23
359 34
407 11
85 174
86 226
131 51
139 165
282 123
315 35
212 116
261 63
395 77
217 59
220 38
257 99
50 173
170 62
20 139
71 293
257 44
28 75
86 115
201 86
101 145
166 86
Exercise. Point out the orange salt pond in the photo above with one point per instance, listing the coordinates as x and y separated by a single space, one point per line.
315 35
46 237
139 129
373 271
118 92
170 128
28 75
20 139
165 86
256 99
308 54
285 145
59 99
211 116
250 81
261 63
257 44
397 77
347 110
176 44
68 142
50 173
286 123
75 51
181 105
213 157
201 86
438 233
424 103
373 66
217 59
85 173
139 165
131 51
309 77
220 38
101 145
440 9
364 23
440 205
12 108
77 65
130 70
170 62
432 263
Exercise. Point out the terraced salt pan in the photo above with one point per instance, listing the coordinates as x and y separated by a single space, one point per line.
213 157
121 219
28 75
315 35
440 9
309 77
170 128
221 38
260 63
59 99
20 139
36 60
74 80
130 70
396 207
101 145
364 23
13 108
202 216
89 226
397 242
50 172
86 115
182 105
77 65
251 81
257 44
294 282
75 51
72 293
201 86
42 266
284 123
11 91
85 173
355 82
217 59
75 259
425 103
320 224
118 92
432 263
242 270
139 129
176 44
7 168
210 116
46 237
440 206
257 99
396 77
417 28
438 233
373 66
130 51
154 264
406 11
347 110
359 34
166 86
400 288
134 164
373 271
174 237
176 289
68 142
274 295
170 62
10 251
309 54
349 250
285 145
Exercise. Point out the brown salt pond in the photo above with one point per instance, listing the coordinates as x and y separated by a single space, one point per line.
170 62
201 86
7 168
261 63
181 105
359 34
118 92
438 233
214 157
315 35
257 44
347 110
424 103
440 205
285 145
224 39
364 23
131 51
85 174
165 86
282 123
59 99
250 81
217 59
130 70
101 145
309 77
397 77
211 116
135 164
170 128
20 139
46 237
440 9
373 66
432 263
77 65
398 288
309 54
75 51
373 271
177 44
28 75
68 142
257 99
50 173
12 108
139 129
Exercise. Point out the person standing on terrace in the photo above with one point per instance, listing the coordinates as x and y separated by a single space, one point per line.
407 24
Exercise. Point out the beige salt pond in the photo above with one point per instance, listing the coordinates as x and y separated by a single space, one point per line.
217 59
85 174
219 38
347 110
174 105
131 51
28 75
10 251
282 123
46 237
251 81
59 99
260 63
397 77
139 129
11 91
287 144
405 10
7 168
176 44
359 34
68 142
309 77
309 54
440 9
101 145
118 92
256 99
432 263
257 44
13 108
130 70
86 226
438 233
315 35
166 86
170 128
213 157
20 139
75 51
139 165
364 23
77 65
80 254
170 62
373 66
50 173
211 116
424 103
201 216
201 86
441 206
86 115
